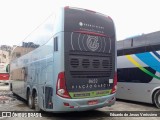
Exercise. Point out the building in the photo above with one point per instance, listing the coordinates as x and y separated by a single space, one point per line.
4 56
18 51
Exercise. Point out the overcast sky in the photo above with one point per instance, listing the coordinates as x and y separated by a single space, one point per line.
131 17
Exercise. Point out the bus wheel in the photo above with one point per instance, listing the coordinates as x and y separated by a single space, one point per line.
37 108
30 100
6 83
10 86
157 99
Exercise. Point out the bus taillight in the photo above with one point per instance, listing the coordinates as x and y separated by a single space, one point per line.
114 83
61 86
66 7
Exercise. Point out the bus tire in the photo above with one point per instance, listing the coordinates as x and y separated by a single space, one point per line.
37 108
30 100
11 87
6 83
156 99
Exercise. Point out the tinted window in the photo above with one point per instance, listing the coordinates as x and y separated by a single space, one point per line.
56 44
134 75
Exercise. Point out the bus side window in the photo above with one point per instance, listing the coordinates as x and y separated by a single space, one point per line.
118 75
121 75
56 44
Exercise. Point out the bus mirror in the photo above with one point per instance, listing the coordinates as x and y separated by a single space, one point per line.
8 68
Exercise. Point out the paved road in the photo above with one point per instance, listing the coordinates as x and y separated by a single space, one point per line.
11 103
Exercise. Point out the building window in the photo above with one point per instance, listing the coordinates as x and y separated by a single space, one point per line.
56 44
4 56
18 55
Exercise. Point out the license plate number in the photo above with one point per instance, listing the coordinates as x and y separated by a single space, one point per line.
92 102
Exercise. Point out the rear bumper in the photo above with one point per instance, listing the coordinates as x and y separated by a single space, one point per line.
4 81
82 104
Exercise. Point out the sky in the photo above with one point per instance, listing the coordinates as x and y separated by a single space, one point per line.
18 18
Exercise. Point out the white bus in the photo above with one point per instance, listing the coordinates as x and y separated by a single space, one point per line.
138 69
4 73
70 65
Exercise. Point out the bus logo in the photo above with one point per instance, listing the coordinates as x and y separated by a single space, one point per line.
80 23
92 43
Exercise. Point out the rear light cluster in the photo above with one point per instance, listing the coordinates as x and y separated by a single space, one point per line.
4 76
114 89
61 86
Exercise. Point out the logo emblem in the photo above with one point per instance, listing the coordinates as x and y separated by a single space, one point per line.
80 23
92 43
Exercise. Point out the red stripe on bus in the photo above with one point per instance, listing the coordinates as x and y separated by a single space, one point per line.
91 33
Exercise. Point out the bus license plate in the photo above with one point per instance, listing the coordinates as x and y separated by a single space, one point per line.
92 102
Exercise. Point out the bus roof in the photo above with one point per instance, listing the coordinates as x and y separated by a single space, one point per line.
140 41
82 9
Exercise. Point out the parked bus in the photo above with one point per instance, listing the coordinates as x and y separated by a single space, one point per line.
70 65
138 67
4 73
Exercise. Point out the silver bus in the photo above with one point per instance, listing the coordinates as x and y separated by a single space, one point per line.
138 68
69 64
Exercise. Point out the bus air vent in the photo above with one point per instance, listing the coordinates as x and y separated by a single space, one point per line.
74 62
90 74
96 63
106 64
85 63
